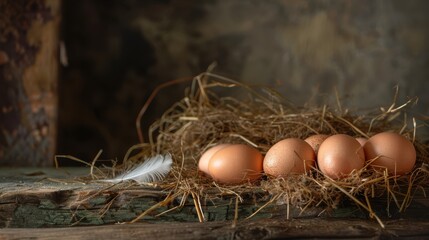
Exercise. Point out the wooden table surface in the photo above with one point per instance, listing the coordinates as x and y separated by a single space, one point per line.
48 203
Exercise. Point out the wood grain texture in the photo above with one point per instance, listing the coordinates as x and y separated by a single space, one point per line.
254 229
56 198
31 198
37 201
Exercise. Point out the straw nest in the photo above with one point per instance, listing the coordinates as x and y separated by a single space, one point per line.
260 117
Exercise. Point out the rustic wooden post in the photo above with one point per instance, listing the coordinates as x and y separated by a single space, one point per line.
28 81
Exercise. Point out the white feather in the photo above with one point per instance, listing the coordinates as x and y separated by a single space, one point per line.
152 170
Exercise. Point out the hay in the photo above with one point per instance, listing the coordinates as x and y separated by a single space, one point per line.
260 117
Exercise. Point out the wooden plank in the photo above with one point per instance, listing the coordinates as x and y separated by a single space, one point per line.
30 199
53 198
255 229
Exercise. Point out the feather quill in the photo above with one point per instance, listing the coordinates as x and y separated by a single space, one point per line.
152 170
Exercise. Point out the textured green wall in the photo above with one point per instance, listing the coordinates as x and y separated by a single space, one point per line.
120 50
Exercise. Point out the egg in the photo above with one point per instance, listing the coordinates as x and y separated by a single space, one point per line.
291 155
236 164
362 140
395 153
203 163
339 155
315 141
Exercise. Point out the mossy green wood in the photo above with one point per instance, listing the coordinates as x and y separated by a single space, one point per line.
30 198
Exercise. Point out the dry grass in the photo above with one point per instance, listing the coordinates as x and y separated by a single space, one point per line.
260 117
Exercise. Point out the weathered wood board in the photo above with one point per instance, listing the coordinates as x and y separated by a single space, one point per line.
255 229
50 198
40 198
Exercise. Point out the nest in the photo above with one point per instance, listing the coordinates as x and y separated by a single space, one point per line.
260 117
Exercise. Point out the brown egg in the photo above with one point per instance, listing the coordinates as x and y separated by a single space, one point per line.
315 141
395 153
203 163
291 155
362 140
339 155
236 164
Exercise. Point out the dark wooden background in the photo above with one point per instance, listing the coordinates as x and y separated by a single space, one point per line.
119 51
